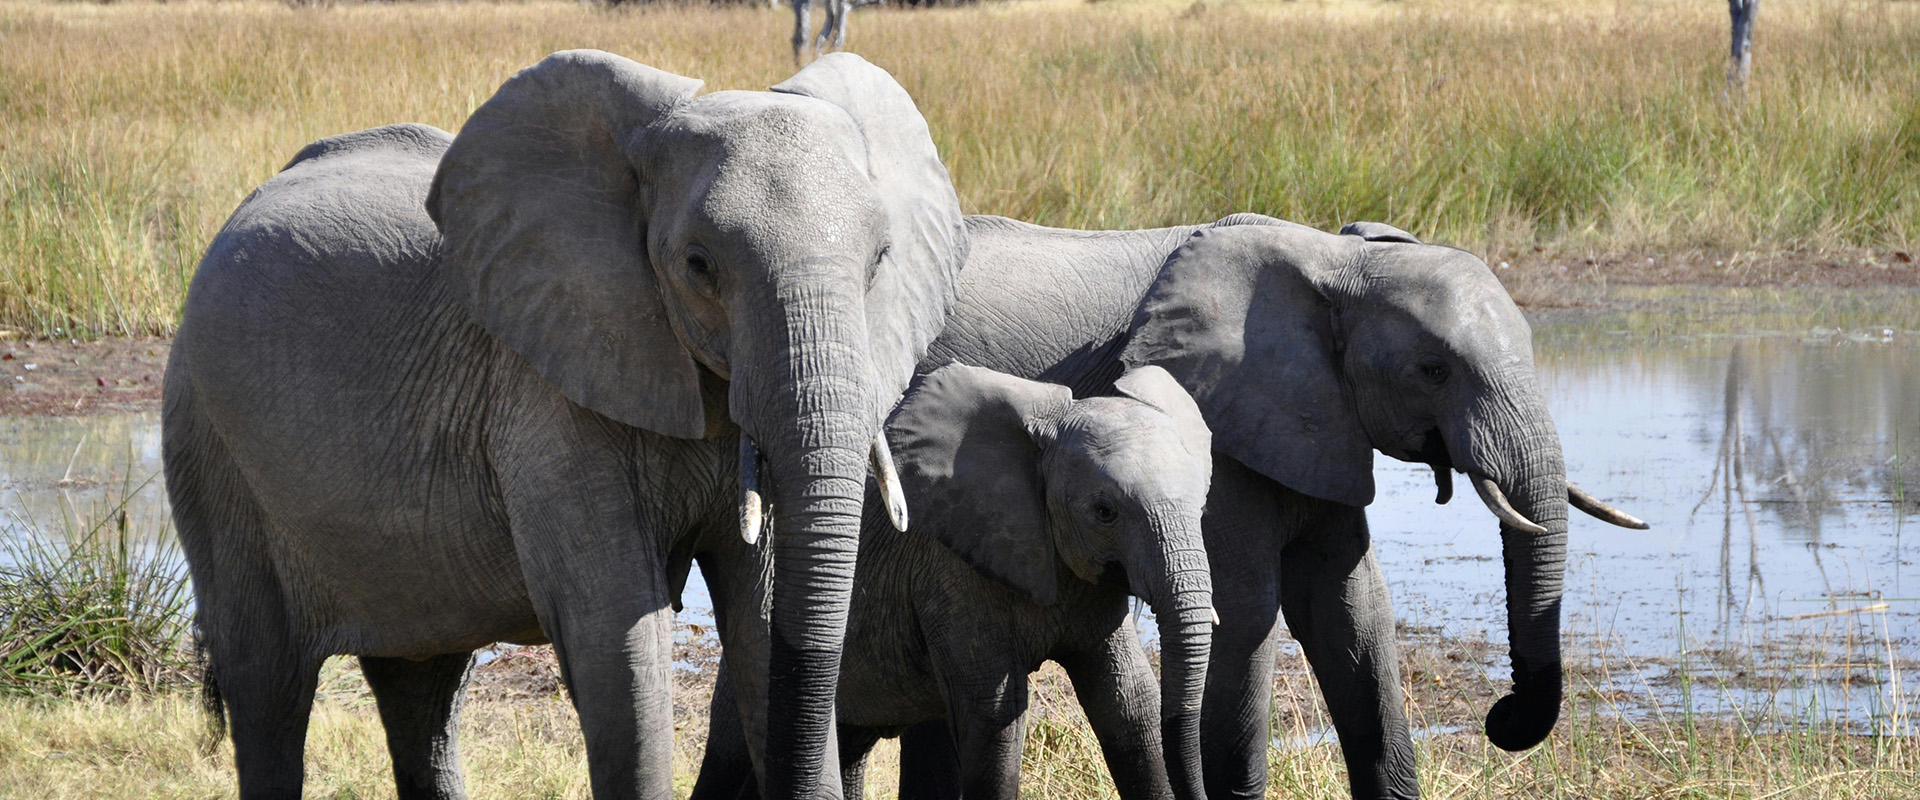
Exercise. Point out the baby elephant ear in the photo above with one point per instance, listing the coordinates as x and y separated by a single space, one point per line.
970 468
1153 386
1378 232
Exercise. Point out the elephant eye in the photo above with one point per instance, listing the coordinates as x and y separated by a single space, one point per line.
700 272
1103 511
1434 370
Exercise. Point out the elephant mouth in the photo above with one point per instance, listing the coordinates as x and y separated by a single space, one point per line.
1431 449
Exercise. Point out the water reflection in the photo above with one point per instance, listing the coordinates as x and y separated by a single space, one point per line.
63 473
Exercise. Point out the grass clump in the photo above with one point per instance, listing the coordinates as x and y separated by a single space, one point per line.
93 609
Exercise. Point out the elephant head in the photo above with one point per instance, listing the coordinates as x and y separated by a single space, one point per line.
1020 479
1305 350
675 262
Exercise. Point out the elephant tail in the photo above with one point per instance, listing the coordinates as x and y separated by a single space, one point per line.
211 703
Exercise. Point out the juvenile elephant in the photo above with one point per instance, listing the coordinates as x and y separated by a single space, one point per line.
1037 515
431 393
1305 351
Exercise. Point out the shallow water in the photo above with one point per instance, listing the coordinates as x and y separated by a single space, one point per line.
1779 476
1779 578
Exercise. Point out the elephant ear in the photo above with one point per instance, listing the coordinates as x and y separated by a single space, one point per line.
1378 232
969 464
1153 386
1238 317
537 205
913 285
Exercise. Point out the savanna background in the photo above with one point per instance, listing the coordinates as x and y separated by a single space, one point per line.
1592 151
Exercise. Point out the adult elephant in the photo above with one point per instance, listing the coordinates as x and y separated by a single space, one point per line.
431 393
1304 351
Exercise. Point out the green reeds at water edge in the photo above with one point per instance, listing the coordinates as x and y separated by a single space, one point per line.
92 607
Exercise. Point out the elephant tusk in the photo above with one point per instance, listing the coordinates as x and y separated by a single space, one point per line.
752 508
1442 483
881 459
1215 613
1497 503
1579 499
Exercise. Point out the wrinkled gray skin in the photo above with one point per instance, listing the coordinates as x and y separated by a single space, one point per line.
1037 515
432 394
1304 350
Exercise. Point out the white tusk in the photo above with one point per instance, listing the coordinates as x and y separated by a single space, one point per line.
752 508
1216 615
1497 503
1578 498
881 460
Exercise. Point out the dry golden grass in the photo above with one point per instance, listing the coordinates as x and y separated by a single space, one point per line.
156 746
132 130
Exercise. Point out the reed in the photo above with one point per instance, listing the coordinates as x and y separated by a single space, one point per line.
132 130
92 607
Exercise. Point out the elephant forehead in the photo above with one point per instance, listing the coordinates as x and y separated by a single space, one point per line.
767 128
1453 296
1134 444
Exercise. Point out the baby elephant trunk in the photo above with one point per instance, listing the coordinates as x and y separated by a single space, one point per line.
1181 593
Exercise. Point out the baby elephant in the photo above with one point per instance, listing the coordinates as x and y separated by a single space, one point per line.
1035 516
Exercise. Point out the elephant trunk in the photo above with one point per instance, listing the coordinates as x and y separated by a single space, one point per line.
1181 594
1531 484
810 411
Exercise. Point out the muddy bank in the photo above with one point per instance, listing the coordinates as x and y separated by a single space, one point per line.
66 377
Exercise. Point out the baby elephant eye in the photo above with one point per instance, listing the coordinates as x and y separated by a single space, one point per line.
1434 370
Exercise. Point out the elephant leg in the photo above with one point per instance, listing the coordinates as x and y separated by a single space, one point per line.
260 673
845 9
801 23
929 762
1235 717
989 725
420 707
726 768
600 590
1121 697
1337 606
1243 554
855 743
614 657
268 702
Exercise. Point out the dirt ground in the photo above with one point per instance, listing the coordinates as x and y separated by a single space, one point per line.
63 377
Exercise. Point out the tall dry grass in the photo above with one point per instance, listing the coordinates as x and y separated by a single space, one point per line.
131 131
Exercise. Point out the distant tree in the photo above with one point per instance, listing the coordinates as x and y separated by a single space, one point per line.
1742 63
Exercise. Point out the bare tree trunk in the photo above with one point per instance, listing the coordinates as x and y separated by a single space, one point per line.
1742 63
